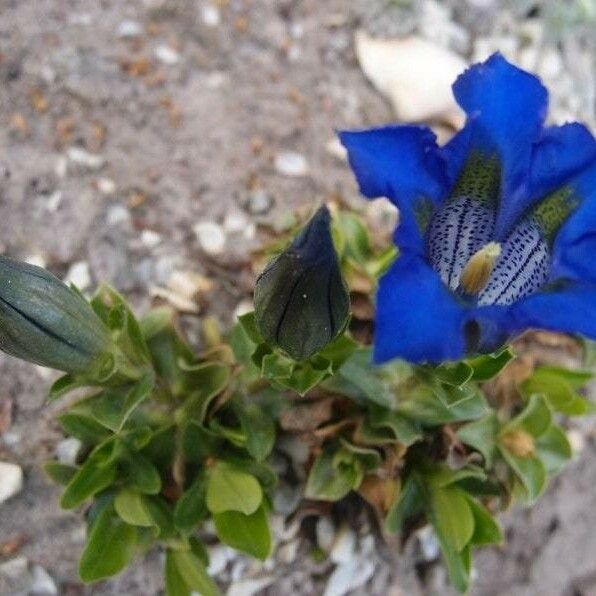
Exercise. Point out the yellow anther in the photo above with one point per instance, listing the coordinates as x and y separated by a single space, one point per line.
477 271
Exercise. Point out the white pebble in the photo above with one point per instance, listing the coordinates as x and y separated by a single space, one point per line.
106 186
37 260
259 202
235 222
349 576
211 237
79 275
117 214
210 15
14 569
248 587
150 238
67 450
243 307
80 158
576 440
325 531
336 149
11 480
129 29
290 163
429 545
344 547
42 584
286 553
219 556
167 55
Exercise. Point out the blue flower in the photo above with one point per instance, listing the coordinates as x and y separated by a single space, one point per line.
497 229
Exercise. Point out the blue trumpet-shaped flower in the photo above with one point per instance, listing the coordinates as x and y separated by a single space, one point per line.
497 229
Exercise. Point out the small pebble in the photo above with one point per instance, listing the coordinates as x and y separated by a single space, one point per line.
211 237
11 480
210 15
286 553
290 163
325 531
336 149
106 186
150 238
248 587
42 584
242 308
129 29
82 159
79 275
349 576
259 202
37 260
429 545
117 214
14 569
235 222
67 450
219 556
344 547
167 55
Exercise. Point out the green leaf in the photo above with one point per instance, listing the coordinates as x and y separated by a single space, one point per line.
486 527
487 366
175 583
535 418
407 504
140 473
420 404
441 476
358 371
530 471
131 507
64 385
203 382
554 450
259 429
184 567
451 516
339 350
191 508
482 436
558 385
96 473
249 534
83 426
230 489
110 547
248 324
402 429
331 478
457 374
112 407
162 515
60 473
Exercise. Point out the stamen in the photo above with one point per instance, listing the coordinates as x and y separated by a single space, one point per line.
477 271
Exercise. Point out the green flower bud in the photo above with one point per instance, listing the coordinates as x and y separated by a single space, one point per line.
301 299
44 321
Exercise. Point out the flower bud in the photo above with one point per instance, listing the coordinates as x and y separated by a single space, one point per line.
301 299
44 321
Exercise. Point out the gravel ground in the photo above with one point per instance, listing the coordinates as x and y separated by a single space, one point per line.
143 138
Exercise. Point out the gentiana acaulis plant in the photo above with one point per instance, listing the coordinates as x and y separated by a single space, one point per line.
429 424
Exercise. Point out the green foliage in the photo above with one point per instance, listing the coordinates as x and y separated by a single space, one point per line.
173 438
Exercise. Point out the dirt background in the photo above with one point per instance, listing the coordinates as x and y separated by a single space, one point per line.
124 124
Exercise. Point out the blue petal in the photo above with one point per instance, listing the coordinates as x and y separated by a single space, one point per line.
506 107
401 163
417 319
570 309
561 153
574 250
